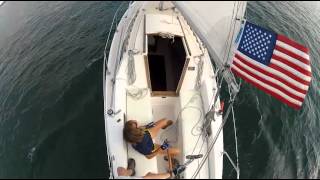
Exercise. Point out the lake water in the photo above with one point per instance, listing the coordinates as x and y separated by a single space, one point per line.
51 104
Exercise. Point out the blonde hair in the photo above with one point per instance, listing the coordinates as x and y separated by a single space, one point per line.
131 133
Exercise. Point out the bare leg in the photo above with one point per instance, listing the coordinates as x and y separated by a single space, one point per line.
124 172
156 176
154 131
172 151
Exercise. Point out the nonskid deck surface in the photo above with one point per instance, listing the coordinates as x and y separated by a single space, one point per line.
166 108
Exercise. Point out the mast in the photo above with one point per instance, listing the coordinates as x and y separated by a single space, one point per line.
161 5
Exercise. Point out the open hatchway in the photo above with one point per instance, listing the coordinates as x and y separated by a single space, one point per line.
166 62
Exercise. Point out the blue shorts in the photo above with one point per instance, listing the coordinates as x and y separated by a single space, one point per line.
146 146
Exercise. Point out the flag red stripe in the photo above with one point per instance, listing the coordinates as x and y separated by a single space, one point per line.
284 81
268 82
293 43
293 55
290 64
288 73
295 106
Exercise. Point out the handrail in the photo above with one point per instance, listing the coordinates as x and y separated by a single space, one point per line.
106 71
108 37
121 47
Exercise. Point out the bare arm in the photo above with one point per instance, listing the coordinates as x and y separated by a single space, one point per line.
157 176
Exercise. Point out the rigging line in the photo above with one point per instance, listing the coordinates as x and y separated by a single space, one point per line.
215 101
236 140
180 113
208 124
200 128
107 71
217 83
109 34
229 33
199 73
203 134
196 124
131 71
201 147
216 94
218 133
232 163
113 87
199 135
231 46
236 143
214 139
213 106
233 30
137 93
232 99
244 10
194 148
123 38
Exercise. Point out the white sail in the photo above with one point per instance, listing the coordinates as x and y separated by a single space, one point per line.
217 23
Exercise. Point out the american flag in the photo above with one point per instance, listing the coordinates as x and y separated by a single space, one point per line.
274 64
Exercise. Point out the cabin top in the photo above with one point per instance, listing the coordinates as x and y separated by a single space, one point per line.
161 23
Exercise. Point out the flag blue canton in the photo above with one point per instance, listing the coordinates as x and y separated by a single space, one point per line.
257 43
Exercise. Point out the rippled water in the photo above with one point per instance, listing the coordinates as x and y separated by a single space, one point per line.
51 106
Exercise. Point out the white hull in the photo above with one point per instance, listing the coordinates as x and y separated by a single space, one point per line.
187 105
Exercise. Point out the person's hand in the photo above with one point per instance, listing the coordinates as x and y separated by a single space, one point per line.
150 125
165 145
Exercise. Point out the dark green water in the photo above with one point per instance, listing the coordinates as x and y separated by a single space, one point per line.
51 106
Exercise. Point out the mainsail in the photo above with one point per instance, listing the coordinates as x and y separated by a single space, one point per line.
217 24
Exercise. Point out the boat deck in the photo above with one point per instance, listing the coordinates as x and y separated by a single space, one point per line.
186 108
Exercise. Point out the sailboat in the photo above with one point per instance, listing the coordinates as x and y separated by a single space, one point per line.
165 61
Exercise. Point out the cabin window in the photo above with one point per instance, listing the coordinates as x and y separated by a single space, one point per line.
166 60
